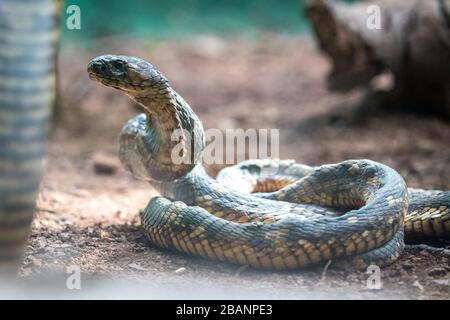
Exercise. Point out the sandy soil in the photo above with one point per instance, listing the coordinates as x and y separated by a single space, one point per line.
88 205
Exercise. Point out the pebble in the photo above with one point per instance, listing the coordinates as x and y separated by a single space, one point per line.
352 278
65 236
418 285
81 243
105 164
103 234
137 267
407 266
180 270
437 271
395 273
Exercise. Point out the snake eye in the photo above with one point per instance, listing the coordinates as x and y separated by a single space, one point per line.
119 66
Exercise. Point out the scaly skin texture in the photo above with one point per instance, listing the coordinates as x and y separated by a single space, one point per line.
28 34
263 213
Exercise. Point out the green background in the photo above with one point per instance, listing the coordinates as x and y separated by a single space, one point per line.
160 19
171 18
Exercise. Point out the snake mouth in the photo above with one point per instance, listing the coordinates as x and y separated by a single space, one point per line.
119 84
95 73
115 83
93 76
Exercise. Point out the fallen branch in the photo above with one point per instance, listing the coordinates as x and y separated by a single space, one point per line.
410 39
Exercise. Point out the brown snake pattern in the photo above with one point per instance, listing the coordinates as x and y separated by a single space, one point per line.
354 212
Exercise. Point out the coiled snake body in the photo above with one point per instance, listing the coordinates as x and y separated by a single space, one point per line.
264 213
28 38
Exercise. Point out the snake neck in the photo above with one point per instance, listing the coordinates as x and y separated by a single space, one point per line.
164 118
169 142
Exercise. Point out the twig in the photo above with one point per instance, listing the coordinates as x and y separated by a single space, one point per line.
325 269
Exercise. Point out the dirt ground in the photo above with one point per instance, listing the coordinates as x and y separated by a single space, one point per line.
87 213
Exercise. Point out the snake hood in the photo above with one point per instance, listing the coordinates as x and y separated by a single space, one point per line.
129 74
166 142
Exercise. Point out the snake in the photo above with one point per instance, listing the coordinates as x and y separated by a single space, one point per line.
28 38
264 213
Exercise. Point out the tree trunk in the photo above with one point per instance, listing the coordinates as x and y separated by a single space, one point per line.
411 41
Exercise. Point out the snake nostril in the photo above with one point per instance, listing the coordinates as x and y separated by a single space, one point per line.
97 67
90 66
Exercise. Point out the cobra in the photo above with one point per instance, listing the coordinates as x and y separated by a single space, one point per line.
269 214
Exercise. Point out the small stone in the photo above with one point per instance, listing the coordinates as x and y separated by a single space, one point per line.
64 236
139 249
437 271
395 272
103 234
417 285
352 278
407 266
105 164
180 270
137 267
81 243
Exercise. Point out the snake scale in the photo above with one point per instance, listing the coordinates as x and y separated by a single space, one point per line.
269 214
28 37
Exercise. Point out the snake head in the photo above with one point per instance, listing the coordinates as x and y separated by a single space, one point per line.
129 74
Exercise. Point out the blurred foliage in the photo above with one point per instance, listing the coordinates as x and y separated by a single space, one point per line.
176 18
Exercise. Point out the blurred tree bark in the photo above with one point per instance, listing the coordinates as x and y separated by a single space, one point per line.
410 39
